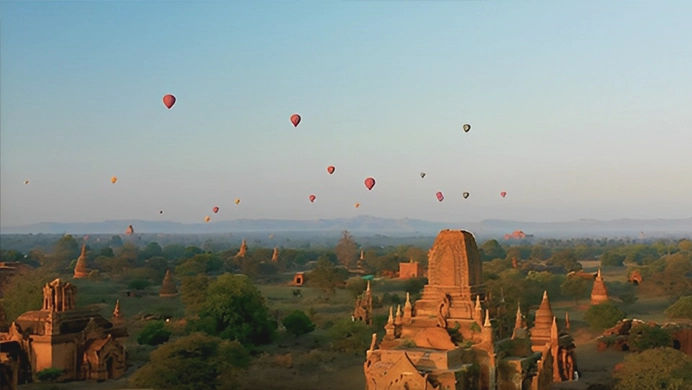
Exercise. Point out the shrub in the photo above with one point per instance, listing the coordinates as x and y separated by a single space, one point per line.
49 374
154 333
603 316
298 323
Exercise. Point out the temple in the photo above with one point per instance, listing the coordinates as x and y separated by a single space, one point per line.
243 249
80 269
599 293
168 289
275 255
446 340
363 309
80 342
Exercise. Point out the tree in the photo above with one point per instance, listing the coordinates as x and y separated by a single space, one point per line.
193 292
24 292
346 250
612 259
603 316
567 259
325 276
575 287
491 250
234 309
298 323
655 369
682 308
153 249
643 337
194 362
154 333
66 250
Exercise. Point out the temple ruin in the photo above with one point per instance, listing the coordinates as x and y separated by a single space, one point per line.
363 309
599 293
243 249
275 255
445 340
80 342
81 270
168 289
410 270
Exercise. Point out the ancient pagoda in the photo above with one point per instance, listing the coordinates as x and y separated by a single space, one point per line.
168 288
599 293
80 269
243 249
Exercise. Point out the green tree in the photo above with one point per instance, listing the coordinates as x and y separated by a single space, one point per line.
154 333
612 259
66 250
644 336
346 250
325 276
575 287
234 310
195 362
153 249
682 308
566 258
349 336
25 292
193 292
173 251
603 316
107 252
298 323
655 369
491 250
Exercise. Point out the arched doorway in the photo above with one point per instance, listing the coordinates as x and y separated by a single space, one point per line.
109 367
625 347
676 344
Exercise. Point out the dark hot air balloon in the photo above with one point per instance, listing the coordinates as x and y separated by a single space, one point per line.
369 183
169 101
160 211
331 169
312 198
295 119
467 128
215 210
503 194
466 195
26 181
422 175
440 197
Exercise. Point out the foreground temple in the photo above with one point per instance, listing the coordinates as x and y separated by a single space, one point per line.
445 340
80 342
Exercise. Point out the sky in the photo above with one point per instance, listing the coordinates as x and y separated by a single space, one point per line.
578 109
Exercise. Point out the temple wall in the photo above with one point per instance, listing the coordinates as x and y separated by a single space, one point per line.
65 358
409 270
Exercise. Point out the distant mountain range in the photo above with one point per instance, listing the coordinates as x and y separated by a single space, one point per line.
368 225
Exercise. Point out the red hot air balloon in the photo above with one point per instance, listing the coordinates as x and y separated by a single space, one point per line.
440 197
503 194
369 183
169 101
215 210
295 119
331 169
312 198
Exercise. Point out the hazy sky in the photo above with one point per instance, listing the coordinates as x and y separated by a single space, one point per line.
579 109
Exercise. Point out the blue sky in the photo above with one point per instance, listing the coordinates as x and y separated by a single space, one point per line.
578 109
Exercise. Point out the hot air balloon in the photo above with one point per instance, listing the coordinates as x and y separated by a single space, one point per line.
330 169
467 128
357 205
237 200
440 197
422 175
207 218
26 181
169 101
503 194
295 119
130 230
369 183
312 198
271 236
114 179
466 195
215 210
160 211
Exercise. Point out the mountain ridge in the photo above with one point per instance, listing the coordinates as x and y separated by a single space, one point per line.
365 224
